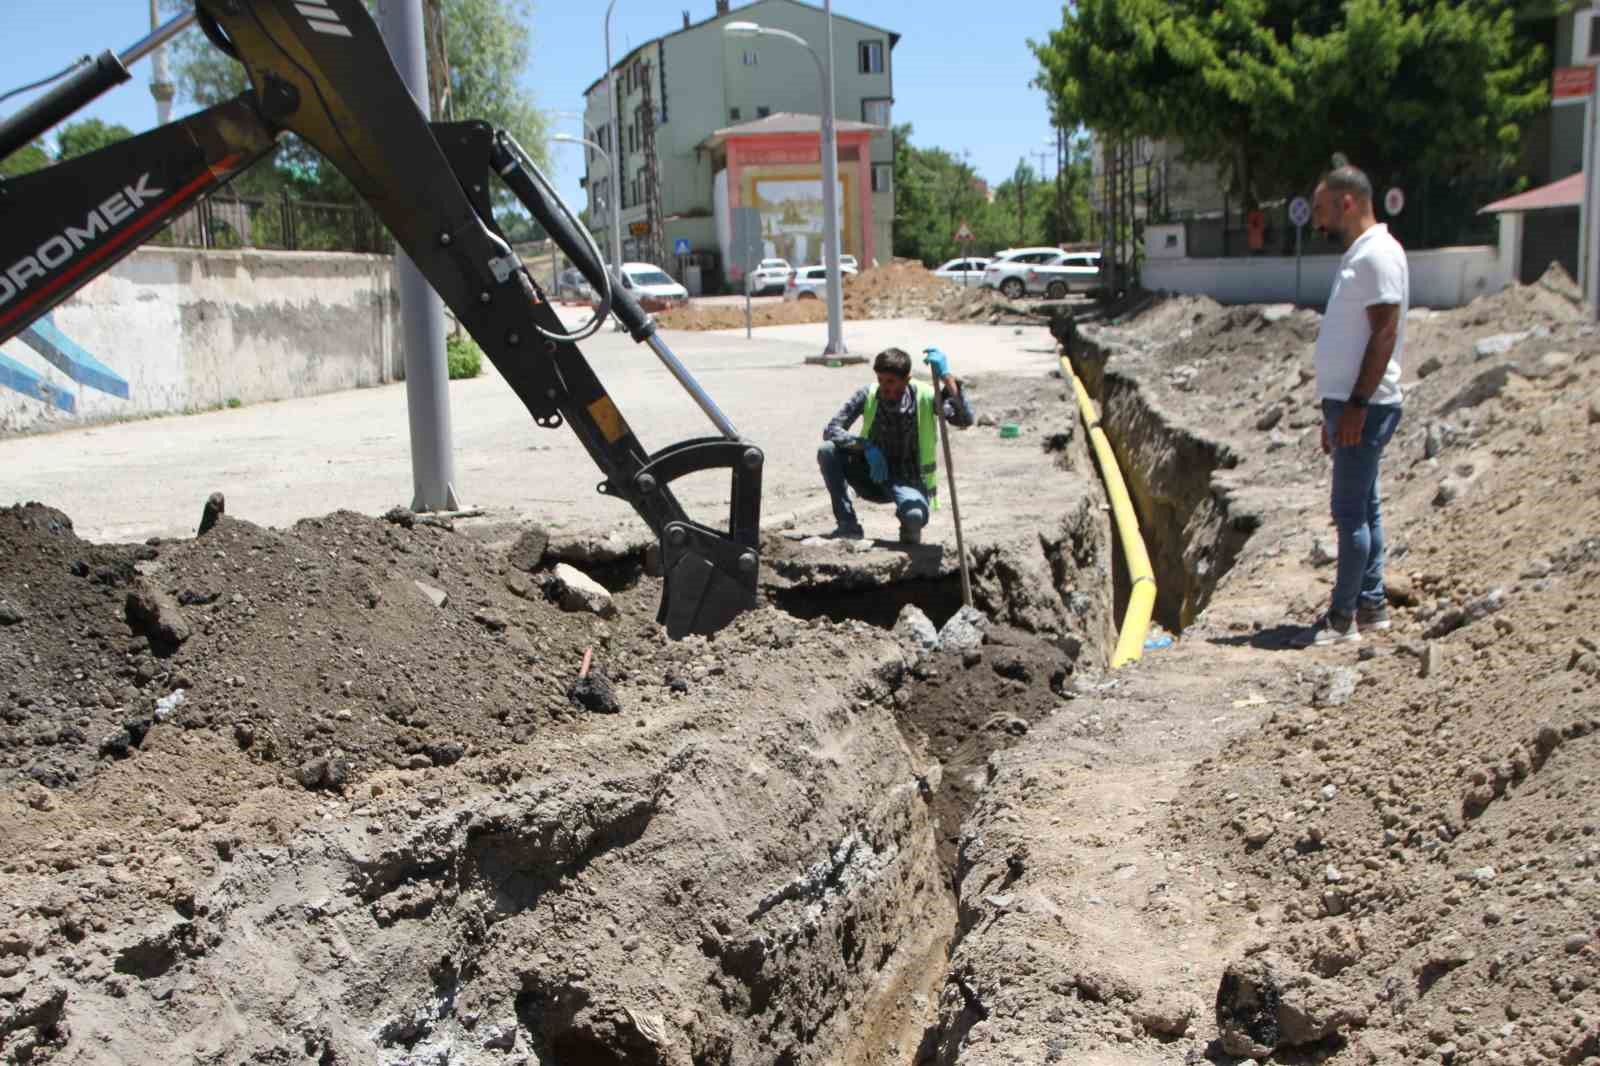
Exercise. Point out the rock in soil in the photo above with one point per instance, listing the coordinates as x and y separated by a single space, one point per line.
964 631
1265 1006
576 591
595 692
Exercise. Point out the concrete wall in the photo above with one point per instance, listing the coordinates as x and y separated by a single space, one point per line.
1443 277
193 329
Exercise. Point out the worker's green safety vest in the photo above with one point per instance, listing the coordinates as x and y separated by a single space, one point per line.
927 434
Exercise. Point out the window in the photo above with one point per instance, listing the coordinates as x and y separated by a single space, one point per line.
751 57
876 111
763 112
733 114
882 176
870 57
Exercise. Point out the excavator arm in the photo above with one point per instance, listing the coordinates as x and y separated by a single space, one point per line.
319 69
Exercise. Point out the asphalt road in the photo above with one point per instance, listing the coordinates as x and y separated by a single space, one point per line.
280 462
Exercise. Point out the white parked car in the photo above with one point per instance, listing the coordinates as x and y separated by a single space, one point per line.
1008 272
811 283
1077 272
652 287
848 262
771 276
968 271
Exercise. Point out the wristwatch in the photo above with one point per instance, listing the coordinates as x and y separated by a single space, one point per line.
1356 401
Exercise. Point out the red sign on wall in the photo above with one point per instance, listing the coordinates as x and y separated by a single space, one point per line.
1573 83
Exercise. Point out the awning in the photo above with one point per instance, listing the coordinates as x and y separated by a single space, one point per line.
1568 192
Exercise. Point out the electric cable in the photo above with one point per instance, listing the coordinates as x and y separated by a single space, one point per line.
52 78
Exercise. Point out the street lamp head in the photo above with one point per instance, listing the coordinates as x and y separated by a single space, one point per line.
742 29
565 138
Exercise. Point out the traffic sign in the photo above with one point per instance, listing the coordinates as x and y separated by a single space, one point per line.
680 246
1299 210
1572 85
1394 201
748 245
964 232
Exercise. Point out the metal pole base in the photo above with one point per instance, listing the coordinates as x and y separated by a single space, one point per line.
422 505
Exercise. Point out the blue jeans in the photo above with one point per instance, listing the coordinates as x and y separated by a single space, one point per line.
1357 513
844 470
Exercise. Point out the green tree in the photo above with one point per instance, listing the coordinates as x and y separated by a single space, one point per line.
85 136
486 45
24 161
933 191
1269 89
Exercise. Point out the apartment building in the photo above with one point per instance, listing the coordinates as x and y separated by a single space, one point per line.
735 121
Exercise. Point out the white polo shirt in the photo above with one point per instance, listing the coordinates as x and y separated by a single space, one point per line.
1373 271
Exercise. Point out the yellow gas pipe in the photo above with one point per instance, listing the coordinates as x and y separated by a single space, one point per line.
1142 597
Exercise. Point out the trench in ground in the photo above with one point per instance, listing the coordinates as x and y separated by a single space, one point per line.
955 709
1193 532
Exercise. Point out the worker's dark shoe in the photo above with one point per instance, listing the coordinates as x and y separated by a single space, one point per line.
1373 617
1331 628
910 534
848 533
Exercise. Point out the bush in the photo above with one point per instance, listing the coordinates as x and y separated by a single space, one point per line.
463 356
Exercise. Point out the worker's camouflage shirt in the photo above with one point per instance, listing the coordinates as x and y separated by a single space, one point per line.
894 430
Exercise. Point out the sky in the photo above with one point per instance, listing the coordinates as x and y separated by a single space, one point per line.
962 82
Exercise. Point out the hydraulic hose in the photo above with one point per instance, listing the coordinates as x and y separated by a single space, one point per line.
1142 596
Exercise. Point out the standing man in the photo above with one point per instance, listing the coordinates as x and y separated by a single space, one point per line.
896 457
1358 378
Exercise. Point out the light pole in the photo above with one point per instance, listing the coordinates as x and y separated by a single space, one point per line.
830 169
615 206
567 138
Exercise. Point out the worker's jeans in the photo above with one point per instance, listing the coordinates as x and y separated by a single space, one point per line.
1357 513
844 470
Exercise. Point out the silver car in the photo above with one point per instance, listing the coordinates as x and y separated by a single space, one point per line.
1008 273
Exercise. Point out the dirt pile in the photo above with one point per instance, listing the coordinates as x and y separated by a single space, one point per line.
324 792
345 752
902 288
701 316
1390 857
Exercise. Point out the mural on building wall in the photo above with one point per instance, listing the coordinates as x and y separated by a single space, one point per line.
791 217
67 356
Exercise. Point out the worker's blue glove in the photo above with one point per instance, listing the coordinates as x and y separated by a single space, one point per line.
938 360
877 465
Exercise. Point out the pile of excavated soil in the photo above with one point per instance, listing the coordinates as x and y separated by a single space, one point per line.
902 288
699 316
323 792
1416 828
1396 859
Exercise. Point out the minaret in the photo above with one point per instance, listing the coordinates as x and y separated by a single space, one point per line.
160 87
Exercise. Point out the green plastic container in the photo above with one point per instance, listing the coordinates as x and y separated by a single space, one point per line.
1010 430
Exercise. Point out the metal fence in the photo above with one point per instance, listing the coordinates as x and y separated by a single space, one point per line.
1438 213
281 222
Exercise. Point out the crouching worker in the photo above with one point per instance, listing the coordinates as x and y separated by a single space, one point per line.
896 457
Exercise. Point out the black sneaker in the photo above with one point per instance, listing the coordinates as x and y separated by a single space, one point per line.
848 533
1331 628
1374 617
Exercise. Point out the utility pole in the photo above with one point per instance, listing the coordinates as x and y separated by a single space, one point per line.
830 197
160 84
619 158
421 311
